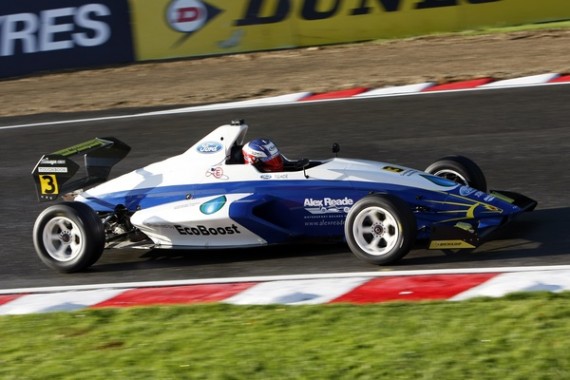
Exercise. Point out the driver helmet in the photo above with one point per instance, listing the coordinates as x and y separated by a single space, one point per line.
263 154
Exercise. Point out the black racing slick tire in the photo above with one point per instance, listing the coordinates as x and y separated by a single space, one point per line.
459 169
69 237
380 229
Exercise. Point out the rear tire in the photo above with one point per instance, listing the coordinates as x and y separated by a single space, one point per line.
380 229
69 237
459 169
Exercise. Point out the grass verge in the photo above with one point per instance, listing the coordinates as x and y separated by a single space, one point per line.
557 25
483 31
523 336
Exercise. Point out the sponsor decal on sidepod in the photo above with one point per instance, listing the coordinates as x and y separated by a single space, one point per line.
201 230
327 205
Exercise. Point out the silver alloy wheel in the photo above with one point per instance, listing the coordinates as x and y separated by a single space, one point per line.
376 231
451 175
62 239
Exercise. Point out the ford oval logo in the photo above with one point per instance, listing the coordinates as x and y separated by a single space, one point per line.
209 147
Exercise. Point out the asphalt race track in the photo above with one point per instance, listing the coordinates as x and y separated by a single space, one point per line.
519 136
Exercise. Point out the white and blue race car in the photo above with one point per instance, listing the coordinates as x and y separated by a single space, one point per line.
207 197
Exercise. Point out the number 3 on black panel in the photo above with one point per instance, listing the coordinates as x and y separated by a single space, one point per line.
48 184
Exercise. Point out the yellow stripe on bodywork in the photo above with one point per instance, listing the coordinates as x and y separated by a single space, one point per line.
503 197
470 207
450 244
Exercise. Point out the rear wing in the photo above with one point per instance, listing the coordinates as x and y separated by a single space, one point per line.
53 171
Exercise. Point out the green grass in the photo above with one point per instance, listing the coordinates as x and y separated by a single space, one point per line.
558 25
519 337
520 28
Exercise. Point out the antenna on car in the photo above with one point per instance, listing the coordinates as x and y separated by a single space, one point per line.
335 149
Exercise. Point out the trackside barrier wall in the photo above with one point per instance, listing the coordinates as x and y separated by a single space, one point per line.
44 35
184 28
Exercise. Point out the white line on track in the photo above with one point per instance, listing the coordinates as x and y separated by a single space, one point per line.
264 102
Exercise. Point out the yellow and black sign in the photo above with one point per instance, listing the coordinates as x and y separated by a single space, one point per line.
183 28
48 184
393 169
450 244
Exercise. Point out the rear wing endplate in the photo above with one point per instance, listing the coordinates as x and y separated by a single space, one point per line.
53 171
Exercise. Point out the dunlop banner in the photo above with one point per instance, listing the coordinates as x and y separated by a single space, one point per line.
182 28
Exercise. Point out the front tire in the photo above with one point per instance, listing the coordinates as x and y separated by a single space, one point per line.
69 237
380 229
459 169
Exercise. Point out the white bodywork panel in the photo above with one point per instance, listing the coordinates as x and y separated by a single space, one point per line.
184 224
181 223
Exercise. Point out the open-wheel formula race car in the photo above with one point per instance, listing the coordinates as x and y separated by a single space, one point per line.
207 197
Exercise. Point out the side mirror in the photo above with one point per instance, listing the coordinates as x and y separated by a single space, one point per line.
302 163
335 148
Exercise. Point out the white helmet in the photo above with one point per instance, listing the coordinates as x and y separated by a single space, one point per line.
263 154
